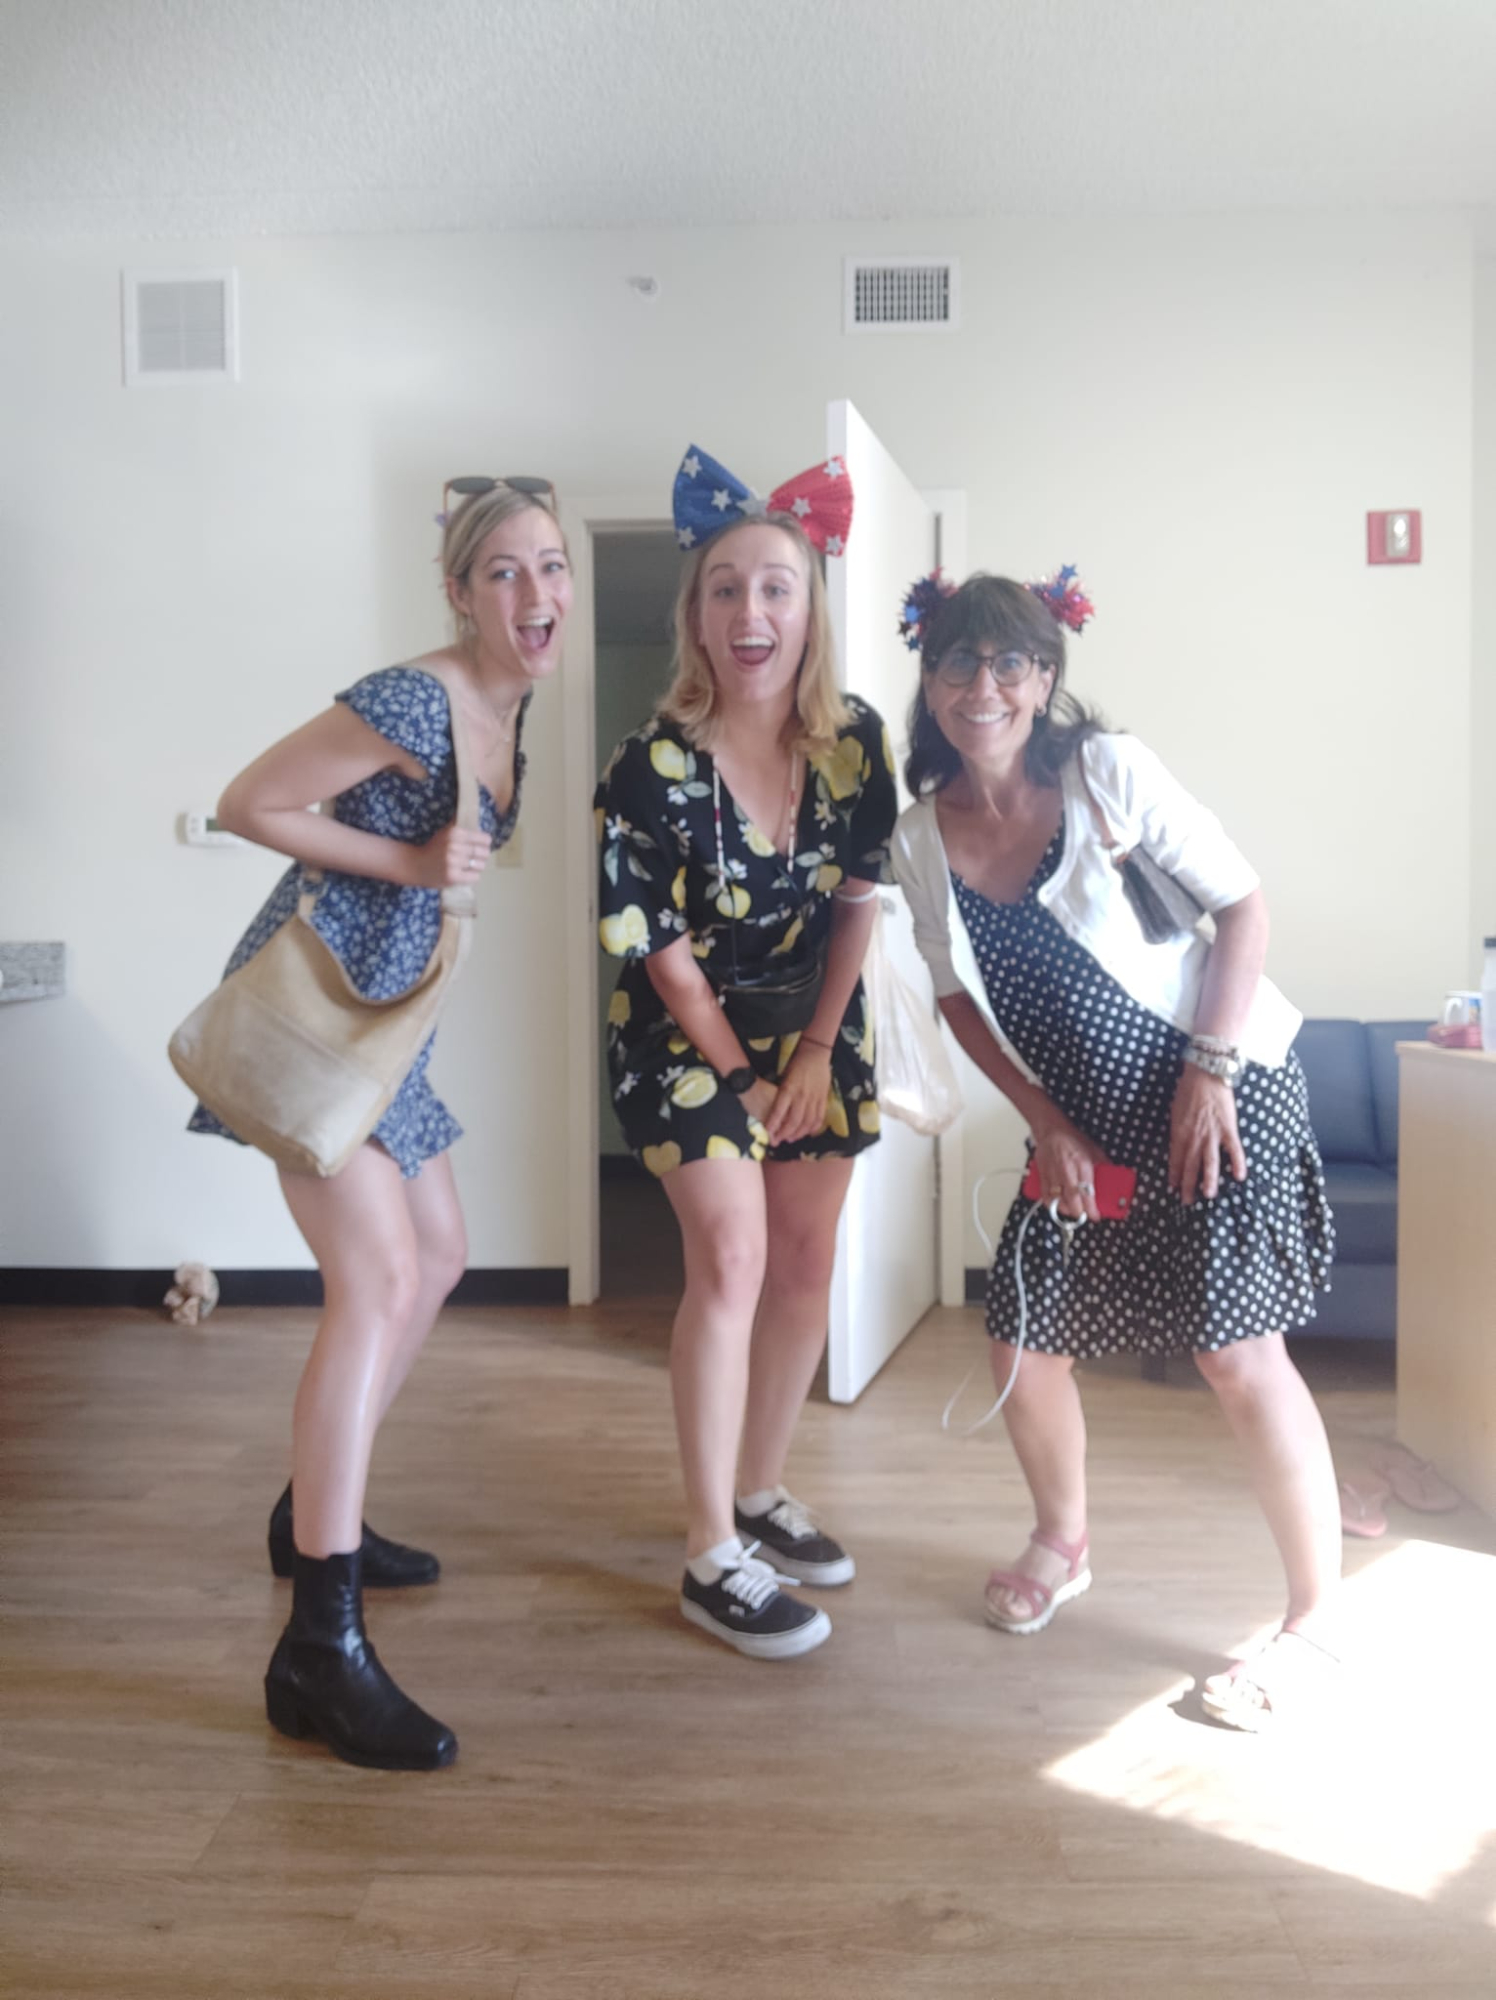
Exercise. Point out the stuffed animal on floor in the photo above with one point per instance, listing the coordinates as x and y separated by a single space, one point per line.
193 1295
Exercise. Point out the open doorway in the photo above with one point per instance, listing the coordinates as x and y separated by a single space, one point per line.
635 572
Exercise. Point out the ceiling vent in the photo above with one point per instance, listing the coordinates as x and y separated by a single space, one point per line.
181 327
903 294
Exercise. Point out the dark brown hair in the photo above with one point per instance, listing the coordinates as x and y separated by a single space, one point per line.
994 611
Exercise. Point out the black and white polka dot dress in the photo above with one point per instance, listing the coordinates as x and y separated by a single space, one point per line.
1169 1278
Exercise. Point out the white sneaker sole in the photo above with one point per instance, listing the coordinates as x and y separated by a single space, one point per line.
762 1645
825 1574
1063 1595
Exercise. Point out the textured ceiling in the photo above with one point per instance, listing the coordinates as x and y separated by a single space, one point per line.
207 117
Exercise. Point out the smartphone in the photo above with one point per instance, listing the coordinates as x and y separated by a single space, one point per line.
1115 1189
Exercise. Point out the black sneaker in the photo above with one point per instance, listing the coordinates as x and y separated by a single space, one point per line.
746 1607
799 1549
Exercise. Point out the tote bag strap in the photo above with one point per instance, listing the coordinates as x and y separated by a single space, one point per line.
459 899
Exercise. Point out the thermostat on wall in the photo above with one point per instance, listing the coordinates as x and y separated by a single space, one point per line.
201 829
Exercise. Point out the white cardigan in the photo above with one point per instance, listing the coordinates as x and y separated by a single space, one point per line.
1143 807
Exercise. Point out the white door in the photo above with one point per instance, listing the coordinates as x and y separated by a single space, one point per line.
886 1262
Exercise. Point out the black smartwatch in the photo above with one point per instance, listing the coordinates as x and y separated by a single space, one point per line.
741 1081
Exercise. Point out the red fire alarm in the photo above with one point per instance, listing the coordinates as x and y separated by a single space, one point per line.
1395 536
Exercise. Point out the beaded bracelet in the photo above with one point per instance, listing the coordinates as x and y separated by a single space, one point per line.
1224 1066
1216 1045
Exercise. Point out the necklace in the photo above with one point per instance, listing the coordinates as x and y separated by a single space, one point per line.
787 825
724 886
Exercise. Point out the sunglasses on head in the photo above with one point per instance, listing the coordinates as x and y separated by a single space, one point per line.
474 483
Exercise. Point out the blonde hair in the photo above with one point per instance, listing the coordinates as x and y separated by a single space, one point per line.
469 526
692 699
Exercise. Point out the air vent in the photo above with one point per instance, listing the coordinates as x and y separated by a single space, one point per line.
181 327
903 294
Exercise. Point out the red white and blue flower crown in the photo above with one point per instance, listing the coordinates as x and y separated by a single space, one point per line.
1060 594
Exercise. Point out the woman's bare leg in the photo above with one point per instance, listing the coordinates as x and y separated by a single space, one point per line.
1047 1427
720 1207
1277 1423
358 1226
804 1200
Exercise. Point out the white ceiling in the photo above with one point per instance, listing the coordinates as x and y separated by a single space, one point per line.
221 117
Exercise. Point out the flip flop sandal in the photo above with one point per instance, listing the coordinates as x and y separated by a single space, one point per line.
1270 1688
1415 1482
1361 1510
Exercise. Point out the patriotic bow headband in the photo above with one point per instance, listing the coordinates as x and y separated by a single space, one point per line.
708 497
1060 594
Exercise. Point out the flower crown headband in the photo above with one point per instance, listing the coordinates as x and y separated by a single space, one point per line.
1060 594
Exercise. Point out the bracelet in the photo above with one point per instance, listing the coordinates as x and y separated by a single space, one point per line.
817 1043
1215 1045
1225 1068
867 895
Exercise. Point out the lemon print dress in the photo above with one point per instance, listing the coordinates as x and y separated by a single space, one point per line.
659 880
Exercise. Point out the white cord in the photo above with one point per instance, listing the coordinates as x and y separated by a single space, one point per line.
1053 1208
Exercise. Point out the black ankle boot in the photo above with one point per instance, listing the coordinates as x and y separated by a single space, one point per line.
387 1565
325 1679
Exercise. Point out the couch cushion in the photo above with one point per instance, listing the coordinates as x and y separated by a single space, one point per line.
1382 1038
1339 1073
1364 1199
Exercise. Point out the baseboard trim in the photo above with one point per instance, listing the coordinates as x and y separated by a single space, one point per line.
43 1285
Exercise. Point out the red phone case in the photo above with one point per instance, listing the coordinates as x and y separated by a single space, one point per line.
1115 1188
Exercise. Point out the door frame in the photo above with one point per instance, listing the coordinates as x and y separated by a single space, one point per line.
584 518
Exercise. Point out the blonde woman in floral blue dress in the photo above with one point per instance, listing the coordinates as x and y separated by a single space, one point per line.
387 1231
742 831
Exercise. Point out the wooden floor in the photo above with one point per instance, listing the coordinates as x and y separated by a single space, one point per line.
921 1808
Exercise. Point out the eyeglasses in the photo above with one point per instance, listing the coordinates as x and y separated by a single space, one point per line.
473 483
960 667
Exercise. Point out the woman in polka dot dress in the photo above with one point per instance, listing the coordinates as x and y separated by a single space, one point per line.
742 832
1169 1058
387 1231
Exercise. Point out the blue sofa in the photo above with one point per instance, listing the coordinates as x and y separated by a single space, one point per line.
1351 1067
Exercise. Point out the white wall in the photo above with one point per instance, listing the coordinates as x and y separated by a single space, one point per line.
1199 411
1483 617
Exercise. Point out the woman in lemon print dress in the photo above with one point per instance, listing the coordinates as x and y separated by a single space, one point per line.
742 830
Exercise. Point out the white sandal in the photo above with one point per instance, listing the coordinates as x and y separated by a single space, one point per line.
1272 1687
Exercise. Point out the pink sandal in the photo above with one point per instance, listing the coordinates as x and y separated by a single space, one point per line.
1361 1509
1414 1481
1043 1601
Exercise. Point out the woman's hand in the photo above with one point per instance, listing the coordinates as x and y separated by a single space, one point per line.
803 1094
448 858
760 1101
1202 1127
1067 1162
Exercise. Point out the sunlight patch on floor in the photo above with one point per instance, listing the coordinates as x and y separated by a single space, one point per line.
1392 1782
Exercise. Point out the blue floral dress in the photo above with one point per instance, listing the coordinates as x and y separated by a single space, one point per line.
381 933
659 880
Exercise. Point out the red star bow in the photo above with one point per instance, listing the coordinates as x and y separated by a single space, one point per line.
820 498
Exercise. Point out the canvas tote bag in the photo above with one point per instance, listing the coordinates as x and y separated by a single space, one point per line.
290 1056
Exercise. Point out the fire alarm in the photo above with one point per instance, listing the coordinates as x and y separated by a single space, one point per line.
1395 536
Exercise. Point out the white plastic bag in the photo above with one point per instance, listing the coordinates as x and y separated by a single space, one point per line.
916 1079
